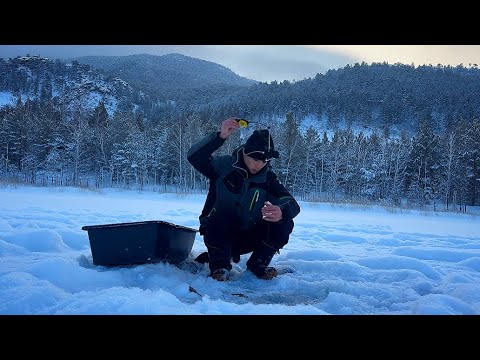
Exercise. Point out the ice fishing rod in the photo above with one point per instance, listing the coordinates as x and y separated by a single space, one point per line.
244 123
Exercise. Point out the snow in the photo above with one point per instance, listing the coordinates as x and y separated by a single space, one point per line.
6 98
346 260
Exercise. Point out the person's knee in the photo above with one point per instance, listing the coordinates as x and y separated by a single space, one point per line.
287 226
280 234
279 243
217 226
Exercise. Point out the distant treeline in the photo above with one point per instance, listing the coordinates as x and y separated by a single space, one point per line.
381 134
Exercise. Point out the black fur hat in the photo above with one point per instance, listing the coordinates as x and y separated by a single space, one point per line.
257 146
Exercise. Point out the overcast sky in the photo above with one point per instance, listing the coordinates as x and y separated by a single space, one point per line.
272 62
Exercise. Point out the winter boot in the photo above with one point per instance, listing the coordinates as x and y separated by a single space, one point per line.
259 260
264 272
220 274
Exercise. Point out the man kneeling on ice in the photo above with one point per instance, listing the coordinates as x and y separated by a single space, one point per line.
247 208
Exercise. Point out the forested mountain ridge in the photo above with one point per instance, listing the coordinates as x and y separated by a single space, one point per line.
167 77
389 98
390 134
69 85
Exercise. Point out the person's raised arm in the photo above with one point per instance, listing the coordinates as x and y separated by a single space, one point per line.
228 127
200 154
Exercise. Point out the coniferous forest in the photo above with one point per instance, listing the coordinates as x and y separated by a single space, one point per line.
395 135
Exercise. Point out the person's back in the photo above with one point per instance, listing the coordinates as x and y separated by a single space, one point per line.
247 208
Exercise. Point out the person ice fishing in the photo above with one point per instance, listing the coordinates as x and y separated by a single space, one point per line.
247 209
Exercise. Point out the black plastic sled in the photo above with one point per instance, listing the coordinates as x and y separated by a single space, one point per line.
140 242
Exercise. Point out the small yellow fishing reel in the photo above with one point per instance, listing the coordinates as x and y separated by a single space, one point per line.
242 122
